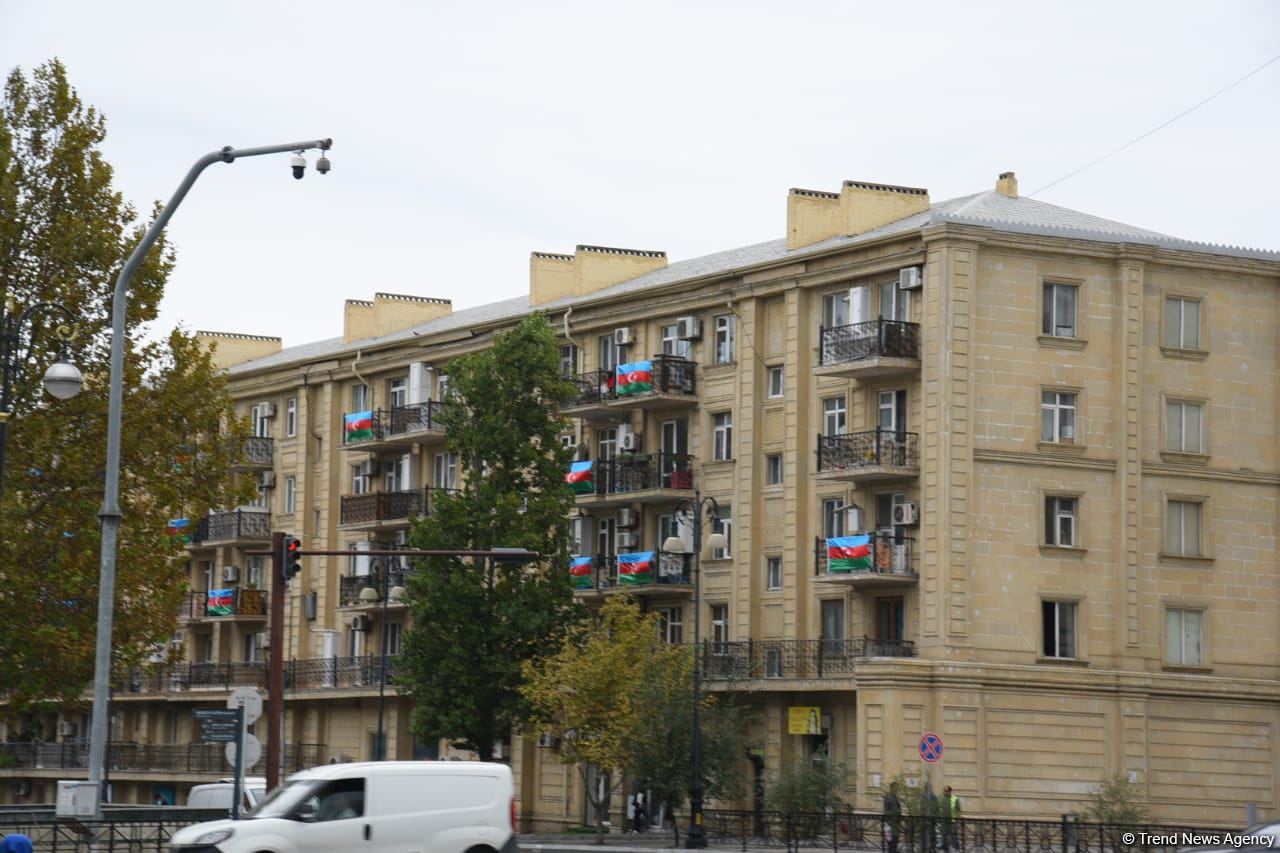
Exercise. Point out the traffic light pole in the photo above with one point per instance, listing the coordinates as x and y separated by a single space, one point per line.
275 666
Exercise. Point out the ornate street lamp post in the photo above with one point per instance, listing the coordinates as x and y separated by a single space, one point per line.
696 837
384 593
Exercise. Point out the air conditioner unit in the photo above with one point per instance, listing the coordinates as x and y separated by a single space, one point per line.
628 517
910 279
688 328
266 410
622 336
66 728
906 513
267 479
628 439
546 741
230 574
262 640
627 539
360 622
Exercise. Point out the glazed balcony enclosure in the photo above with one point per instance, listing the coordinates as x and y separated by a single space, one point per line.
873 456
397 427
888 562
784 659
600 575
632 478
374 510
877 347
663 381
233 527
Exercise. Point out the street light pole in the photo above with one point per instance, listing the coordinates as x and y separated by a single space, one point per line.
386 594
110 512
696 837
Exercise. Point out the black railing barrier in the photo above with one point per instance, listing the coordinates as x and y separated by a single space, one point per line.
850 830
874 338
145 829
874 448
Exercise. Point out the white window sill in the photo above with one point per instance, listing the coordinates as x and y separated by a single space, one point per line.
1061 343
1185 353
1198 669
1185 559
1184 458
1061 447
1062 550
1062 661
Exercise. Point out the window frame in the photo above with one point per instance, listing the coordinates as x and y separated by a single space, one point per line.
725 348
673 344
775 390
290 495
1055 509
722 436
569 359
1180 347
1182 611
840 412
834 517
719 618
774 469
772 572
608 355
1184 402
723 524
397 392
1049 309
671 624
1203 511
291 417
1056 408
1058 603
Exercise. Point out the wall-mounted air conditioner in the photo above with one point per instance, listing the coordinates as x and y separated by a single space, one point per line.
360 622
230 574
267 480
266 410
622 336
688 328
628 517
910 279
628 438
627 539
906 513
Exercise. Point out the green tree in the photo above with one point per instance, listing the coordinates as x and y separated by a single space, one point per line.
475 623
805 789
1116 800
64 235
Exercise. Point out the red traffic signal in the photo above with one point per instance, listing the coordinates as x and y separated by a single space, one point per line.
291 559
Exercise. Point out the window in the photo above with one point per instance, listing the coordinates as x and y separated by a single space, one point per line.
255 571
835 416
773 663
891 410
776 385
290 494
832 517
720 627
444 471
1182 528
666 528
206 569
885 502
398 392
1184 637
671 624
1059 628
608 352
773 469
725 352
722 436
1059 310
1181 322
359 397
291 417
568 441
568 359
391 638
672 345
773 573
1183 426
606 443
341 799
606 536
442 386
1060 521
1058 417
261 419
835 309
723 525
252 648
393 476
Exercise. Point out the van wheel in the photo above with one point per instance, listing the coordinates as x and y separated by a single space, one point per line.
484 848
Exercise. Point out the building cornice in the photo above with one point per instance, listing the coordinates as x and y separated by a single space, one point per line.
1195 472
1045 459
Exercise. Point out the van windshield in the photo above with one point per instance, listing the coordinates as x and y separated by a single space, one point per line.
282 800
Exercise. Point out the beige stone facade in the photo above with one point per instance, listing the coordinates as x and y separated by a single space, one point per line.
1059 432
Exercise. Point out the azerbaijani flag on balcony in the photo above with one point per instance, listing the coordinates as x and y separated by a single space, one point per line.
580 570
581 477
180 529
220 602
635 568
635 378
359 426
848 553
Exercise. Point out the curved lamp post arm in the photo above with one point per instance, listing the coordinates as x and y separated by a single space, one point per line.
110 512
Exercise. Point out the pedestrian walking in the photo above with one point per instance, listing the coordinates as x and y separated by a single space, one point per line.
950 820
630 826
892 818
641 814
16 842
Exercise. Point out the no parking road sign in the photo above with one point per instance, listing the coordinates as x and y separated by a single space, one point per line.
930 747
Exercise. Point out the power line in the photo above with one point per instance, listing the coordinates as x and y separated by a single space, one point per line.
1133 142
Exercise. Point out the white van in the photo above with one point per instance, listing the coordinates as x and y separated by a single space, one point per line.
217 795
400 806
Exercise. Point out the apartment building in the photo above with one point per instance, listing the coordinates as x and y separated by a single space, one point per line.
989 469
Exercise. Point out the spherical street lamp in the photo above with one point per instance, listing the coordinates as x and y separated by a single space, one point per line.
63 379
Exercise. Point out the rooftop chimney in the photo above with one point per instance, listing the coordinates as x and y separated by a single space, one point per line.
1007 184
389 313
588 269
814 215
230 349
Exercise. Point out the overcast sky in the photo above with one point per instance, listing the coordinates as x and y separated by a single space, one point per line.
468 134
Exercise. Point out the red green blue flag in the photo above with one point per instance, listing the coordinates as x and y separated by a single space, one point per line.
359 426
581 478
221 602
180 529
580 570
848 553
635 378
635 568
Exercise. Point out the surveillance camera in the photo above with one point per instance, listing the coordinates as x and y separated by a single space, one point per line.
322 165
299 164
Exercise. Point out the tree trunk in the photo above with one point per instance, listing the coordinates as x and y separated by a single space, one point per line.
675 825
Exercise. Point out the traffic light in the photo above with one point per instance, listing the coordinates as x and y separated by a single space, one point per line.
291 558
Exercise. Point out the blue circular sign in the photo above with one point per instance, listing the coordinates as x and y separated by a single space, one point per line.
930 747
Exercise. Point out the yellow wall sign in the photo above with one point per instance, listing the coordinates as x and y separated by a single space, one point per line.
804 720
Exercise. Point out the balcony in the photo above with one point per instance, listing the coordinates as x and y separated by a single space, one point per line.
229 603
401 426
784 659
636 478
130 756
256 456
348 672
313 673
592 393
865 350
888 563
375 510
233 528
874 456
349 587
671 576
670 381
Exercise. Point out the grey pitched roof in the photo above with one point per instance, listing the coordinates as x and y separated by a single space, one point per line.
988 209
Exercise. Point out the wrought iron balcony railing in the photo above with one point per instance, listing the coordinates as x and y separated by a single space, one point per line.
257 450
415 417
872 339
796 658
670 375
886 556
640 472
875 448
234 524
313 673
242 601
593 388
387 506
132 756
350 586
670 569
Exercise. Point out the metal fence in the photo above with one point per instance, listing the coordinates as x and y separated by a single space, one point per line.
236 524
122 830
870 449
889 556
386 506
908 834
796 658
415 417
257 450
363 671
132 756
